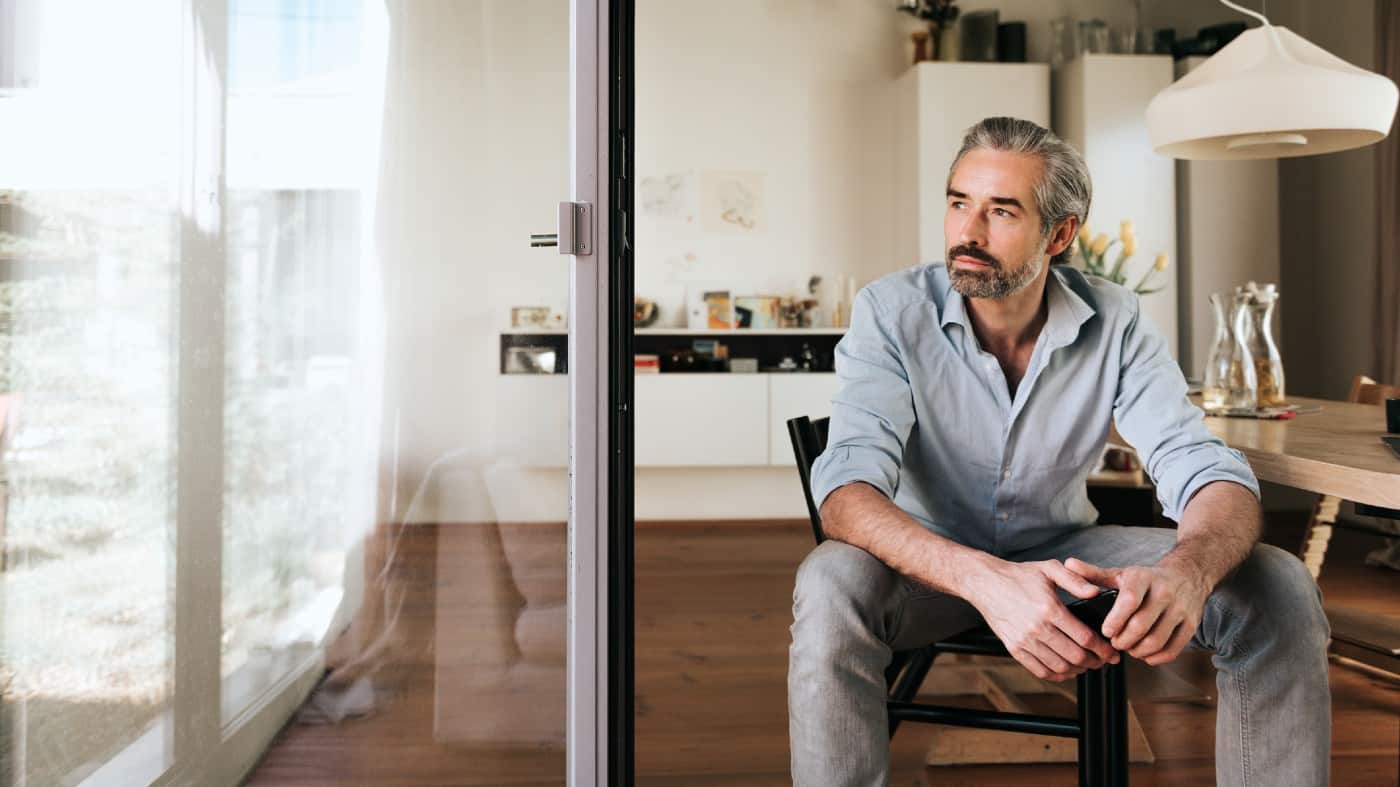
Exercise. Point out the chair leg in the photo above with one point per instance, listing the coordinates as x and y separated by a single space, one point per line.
1116 721
1092 729
908 684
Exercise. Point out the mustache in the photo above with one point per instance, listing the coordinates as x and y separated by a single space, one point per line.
976 254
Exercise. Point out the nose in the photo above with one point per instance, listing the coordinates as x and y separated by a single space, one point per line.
973 231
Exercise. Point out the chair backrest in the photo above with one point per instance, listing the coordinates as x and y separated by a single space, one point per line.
808 442
1364 390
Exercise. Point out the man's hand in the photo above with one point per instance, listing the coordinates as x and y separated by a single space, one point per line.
1158 609
1019 603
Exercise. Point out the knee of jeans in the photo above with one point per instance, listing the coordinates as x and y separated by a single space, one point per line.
836 577
1284 590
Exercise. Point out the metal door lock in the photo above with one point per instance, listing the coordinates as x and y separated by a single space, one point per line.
575 235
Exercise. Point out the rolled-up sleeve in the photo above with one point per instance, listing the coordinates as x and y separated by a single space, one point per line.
1154 415
873 410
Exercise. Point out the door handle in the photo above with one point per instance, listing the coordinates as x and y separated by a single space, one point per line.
575 235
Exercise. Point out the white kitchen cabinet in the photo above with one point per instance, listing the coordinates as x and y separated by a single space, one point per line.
936 103
1101 109
792 395
694 420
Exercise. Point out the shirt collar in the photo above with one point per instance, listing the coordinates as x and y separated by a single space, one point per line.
1068 311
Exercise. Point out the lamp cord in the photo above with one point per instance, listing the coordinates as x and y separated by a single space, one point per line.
1273 34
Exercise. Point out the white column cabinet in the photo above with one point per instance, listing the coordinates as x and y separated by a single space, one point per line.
936 104
1100 109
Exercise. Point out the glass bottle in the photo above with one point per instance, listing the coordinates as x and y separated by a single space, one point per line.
1230 382
1242 393
1268 363
1222 352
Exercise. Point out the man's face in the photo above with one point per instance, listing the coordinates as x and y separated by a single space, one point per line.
995 247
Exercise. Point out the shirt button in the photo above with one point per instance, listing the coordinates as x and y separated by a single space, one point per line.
1003 516
1006 475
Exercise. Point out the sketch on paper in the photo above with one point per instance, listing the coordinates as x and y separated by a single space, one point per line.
665 195
731 201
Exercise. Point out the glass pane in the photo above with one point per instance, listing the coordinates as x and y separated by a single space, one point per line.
301 130
89 227
396 409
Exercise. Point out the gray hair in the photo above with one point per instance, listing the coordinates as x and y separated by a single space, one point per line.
1064 188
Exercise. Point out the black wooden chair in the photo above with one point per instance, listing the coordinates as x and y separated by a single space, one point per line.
1102 723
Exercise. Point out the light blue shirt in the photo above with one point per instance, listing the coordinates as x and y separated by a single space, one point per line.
924 414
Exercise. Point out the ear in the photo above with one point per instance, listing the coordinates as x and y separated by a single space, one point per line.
1062 235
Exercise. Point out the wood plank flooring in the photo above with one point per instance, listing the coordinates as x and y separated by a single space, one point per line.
713 609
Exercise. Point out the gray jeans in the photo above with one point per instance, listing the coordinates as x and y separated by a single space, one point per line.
1265 624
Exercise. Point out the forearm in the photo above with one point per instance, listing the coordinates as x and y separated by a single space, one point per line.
1218 529
862 516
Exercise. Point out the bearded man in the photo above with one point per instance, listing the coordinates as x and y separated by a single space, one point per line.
976 396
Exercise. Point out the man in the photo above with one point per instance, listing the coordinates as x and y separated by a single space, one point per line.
975 399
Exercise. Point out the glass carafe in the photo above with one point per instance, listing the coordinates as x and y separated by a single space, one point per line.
1268 364
1230 382
1243 391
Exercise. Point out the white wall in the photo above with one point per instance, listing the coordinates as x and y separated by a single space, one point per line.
796 93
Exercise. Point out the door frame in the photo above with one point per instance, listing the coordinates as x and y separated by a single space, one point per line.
599 728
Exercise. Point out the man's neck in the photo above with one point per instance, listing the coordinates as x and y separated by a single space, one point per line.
1005 325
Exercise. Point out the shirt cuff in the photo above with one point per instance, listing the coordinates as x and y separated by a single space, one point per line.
847 464
1236 471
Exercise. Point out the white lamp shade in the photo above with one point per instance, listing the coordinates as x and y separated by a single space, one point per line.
1251 101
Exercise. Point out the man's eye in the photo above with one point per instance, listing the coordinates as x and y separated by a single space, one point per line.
1001 212
957 203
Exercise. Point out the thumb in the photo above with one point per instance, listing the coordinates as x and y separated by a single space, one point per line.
1107 577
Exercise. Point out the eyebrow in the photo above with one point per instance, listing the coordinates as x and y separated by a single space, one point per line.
995 200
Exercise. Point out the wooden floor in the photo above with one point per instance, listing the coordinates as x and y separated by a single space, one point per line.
713 609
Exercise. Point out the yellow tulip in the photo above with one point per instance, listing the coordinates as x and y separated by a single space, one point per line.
1084 234
1129 245
1126 231
1161 263
1100 244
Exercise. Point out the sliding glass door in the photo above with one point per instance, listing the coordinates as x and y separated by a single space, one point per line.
301 406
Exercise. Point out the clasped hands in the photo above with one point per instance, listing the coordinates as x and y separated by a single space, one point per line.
1157 611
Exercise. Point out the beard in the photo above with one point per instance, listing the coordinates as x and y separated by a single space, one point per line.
998 282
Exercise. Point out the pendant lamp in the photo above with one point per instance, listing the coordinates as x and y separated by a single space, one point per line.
1270 93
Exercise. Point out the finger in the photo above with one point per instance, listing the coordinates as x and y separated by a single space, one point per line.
1069 580
1106 577
1084 637
1032 664
1130 598
1178 642
1079 657
1158 637
1139 624
1053 661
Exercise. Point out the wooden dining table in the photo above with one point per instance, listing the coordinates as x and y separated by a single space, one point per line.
1331 448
